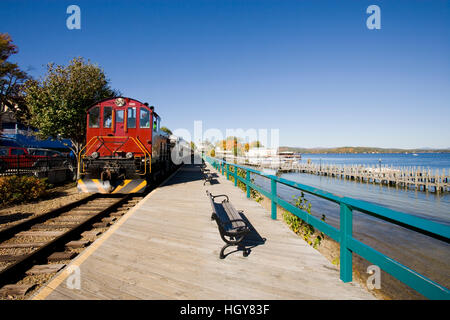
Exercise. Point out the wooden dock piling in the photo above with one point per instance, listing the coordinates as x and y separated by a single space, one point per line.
416 178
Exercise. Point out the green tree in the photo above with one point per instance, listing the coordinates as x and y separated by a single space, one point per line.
166 130
12 80
57 102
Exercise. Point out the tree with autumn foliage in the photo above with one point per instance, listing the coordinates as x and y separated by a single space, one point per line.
58 102
237 145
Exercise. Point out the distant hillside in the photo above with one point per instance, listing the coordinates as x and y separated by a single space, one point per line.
361 150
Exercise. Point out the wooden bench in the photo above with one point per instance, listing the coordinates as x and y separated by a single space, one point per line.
207 175
232 227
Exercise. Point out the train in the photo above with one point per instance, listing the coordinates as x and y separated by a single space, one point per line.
126 150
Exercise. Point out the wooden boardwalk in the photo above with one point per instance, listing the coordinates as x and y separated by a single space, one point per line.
167 248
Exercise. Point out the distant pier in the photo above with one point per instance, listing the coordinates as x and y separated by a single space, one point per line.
417 178
411 178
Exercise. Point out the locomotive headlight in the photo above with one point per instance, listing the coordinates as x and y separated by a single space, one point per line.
129 155
94 155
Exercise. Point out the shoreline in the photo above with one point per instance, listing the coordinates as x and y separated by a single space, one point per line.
391 288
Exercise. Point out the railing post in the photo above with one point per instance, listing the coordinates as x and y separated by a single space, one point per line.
273 189
228 171
247 181
346 231
235 176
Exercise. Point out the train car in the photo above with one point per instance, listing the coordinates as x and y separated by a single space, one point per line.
125 148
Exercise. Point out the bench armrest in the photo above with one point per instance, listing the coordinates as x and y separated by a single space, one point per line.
219 195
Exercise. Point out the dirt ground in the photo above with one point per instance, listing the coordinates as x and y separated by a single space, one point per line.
57 197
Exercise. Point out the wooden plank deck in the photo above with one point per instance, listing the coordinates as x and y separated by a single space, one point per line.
167 248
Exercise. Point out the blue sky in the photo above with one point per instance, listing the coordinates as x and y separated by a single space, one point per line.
309 68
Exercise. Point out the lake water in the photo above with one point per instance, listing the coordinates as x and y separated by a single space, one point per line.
428 205
428 256
425 160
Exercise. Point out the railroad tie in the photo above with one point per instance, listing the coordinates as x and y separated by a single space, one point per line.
103 224
90 234
9 257
77 244
40 233
118 213
21 245
54 226
16 289
58 256
45 269
79 213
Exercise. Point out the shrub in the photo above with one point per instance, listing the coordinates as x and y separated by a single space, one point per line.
300 227
17 189
253 193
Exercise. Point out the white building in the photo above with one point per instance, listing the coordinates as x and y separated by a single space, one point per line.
261 155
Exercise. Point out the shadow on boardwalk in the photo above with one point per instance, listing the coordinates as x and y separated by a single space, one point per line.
189 173
251 240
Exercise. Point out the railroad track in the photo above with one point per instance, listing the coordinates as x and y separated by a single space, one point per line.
37 248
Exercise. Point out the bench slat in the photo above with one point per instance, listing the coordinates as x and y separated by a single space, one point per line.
233 214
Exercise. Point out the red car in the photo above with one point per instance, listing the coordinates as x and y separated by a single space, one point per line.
13 157
44 153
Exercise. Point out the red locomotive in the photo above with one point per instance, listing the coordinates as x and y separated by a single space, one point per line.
125 148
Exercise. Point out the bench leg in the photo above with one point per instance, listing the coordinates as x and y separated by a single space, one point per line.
245 252
222 256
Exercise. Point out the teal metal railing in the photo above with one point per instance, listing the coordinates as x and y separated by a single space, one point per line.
344 235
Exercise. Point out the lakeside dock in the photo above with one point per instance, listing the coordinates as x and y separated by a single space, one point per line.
410 178
415 178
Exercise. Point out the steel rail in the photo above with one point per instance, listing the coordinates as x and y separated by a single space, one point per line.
13 272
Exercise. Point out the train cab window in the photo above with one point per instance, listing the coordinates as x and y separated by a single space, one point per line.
131 117
94 117
144 118
107 117
119 116
155 124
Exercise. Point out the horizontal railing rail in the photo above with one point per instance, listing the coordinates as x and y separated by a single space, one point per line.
344 235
